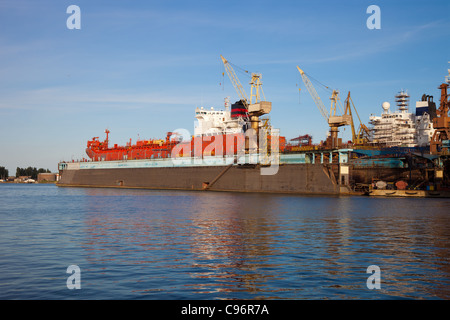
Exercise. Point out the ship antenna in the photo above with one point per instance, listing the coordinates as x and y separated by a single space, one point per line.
227 104
447 78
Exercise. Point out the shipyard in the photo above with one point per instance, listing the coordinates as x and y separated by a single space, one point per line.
225 158
400 153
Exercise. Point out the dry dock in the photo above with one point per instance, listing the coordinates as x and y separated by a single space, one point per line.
290 178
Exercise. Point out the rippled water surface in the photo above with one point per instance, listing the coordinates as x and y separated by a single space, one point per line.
139 244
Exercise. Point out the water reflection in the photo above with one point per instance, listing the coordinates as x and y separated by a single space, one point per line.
230 245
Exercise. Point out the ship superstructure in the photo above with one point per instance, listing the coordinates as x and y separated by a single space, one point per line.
401 128
425 112
213 122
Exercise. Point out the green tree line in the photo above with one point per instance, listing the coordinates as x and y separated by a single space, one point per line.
30 172
4 173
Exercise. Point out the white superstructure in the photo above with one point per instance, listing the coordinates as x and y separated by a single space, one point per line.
402 128
212 122
425 110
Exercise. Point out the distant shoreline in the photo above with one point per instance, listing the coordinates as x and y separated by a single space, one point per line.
42 182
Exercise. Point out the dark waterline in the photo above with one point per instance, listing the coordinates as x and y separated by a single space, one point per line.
140 244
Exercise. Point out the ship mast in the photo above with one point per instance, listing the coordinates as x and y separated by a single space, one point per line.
107 139
447 78
402 99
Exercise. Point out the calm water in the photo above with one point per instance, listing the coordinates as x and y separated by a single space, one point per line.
139 244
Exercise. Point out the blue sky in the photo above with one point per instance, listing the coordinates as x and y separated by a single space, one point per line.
140 68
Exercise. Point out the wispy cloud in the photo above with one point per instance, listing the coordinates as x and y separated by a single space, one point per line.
360 46
59 98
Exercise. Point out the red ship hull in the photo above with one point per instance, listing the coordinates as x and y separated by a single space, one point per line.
170 147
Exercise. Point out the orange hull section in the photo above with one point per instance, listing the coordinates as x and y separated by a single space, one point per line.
154 149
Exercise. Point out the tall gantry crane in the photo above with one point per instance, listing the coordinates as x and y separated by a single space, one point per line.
440 141
255 106
256 85
334 121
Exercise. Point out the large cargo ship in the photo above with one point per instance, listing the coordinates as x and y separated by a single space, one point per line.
224 154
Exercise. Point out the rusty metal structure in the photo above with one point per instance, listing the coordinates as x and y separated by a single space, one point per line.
440 142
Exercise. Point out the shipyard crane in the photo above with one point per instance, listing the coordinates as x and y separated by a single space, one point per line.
362 136
440 141
333 120
256 85
235 81
255 106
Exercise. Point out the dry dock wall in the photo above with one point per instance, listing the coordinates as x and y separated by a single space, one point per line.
290 178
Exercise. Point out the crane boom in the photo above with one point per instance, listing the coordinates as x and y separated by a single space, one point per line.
362 136
235 81
314 94
348 109
333 120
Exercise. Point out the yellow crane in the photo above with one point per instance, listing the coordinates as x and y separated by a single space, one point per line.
255 82
256 106
235 81
362 136
334 121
